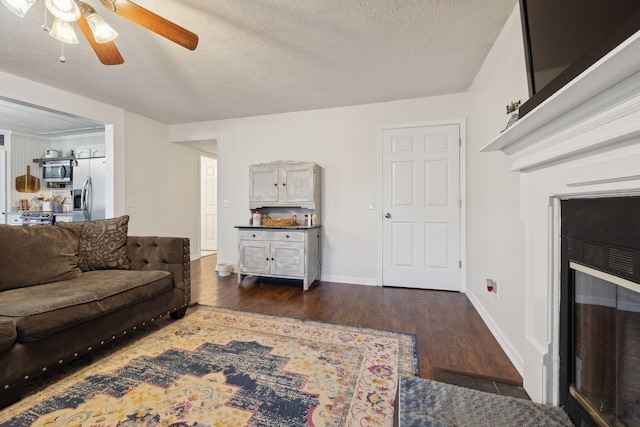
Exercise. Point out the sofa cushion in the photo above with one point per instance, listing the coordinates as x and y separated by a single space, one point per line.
36 255
40 311
102 243
7 333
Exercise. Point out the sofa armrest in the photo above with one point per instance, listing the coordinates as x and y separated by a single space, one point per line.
170 254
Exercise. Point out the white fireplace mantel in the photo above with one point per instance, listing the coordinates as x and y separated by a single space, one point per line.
600 107
583 141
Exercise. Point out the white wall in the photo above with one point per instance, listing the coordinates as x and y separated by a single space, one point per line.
162 186
495 239
344 142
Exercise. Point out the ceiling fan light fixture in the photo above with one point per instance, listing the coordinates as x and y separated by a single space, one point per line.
63 31
66 10
102 32
19 7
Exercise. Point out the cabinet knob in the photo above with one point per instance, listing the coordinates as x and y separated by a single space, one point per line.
275 183
253 235
267 259
388 215
284 183
272 259
287 236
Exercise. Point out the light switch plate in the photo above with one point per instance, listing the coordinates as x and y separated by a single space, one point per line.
226 203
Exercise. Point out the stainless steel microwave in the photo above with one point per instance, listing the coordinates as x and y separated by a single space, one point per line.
57 170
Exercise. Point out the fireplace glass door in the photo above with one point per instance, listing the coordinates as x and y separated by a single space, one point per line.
606 341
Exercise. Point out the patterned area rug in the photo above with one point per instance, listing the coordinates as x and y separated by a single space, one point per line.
218 367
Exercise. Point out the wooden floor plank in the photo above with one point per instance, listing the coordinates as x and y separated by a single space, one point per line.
449 332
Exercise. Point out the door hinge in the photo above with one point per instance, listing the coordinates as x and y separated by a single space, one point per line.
459 142
460 203
460 264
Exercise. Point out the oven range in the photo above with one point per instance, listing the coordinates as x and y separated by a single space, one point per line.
37 218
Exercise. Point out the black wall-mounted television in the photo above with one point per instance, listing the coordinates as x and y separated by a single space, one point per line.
562 38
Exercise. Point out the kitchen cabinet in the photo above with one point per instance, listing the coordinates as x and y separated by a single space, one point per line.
288 184
288 252
13 218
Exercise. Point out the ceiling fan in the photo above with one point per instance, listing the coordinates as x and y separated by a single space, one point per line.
99 34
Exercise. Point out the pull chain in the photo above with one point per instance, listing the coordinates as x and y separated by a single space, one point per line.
62 58
45 26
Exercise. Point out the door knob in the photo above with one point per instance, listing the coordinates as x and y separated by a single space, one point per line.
387 215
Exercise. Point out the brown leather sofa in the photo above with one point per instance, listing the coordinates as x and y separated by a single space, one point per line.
65 290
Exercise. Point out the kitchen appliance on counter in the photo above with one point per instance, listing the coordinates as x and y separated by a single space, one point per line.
50 153
89 189
37 218
60 170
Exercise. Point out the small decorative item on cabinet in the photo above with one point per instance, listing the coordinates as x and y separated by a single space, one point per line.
257 218
280 222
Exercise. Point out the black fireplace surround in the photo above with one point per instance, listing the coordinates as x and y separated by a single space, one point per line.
602 234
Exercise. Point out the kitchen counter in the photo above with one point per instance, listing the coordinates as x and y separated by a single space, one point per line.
13 217
280 227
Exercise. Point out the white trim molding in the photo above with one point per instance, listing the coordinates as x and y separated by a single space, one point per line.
584 141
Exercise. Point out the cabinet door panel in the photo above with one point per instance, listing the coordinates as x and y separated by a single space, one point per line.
288 260
254 257
296 183
264 184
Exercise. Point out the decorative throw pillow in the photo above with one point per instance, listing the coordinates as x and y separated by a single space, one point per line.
102 243
36 255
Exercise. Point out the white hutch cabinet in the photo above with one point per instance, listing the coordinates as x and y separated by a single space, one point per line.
288 184
291 252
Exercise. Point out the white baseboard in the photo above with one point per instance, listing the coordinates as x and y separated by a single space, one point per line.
349 280
495 330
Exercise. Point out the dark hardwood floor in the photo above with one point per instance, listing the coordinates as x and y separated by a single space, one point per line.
451 336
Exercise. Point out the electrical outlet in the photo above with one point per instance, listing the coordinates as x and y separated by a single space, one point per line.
226 203
372 205
492 286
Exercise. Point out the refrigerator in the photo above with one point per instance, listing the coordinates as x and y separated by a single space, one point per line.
89 189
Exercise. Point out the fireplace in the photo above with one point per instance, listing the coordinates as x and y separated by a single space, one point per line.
600 311
581 143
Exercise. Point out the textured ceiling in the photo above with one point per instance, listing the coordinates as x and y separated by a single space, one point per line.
266 56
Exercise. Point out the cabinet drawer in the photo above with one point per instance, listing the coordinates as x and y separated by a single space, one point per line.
14 219
278 236
287 236
253 235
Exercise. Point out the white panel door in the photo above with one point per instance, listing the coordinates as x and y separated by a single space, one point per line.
421 207
208 203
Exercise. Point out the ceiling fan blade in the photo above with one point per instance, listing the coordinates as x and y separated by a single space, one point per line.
108 53
153 22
